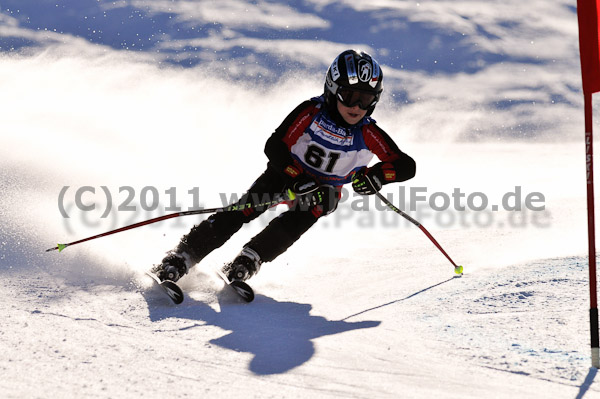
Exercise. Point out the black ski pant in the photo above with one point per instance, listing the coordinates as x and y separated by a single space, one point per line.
274 239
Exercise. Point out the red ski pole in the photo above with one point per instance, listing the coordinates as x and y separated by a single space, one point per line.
457 268
229 208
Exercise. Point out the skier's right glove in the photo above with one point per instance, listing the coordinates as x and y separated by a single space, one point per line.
306 189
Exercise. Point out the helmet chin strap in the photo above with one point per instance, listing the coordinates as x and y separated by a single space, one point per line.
370 110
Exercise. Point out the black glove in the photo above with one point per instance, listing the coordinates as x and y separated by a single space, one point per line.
366 184
306 189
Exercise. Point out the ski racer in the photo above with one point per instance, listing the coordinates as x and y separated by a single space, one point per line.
321 145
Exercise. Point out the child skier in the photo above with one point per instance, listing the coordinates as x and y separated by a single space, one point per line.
323 144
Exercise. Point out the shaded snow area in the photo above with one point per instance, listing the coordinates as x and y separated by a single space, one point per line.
114 112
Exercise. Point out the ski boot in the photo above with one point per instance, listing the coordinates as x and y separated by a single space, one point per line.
173 267
244 266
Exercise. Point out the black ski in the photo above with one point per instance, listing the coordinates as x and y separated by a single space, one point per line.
169 287
242 289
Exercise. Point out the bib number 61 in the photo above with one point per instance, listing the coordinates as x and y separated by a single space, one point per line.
316 156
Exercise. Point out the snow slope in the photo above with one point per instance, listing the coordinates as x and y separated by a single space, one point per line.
484 95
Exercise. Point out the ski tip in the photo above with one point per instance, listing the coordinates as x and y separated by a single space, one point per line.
243 290
458 269
173 291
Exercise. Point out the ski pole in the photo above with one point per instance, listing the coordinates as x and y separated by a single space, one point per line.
457 268
229 208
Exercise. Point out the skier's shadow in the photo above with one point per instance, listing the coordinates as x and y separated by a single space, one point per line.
278 334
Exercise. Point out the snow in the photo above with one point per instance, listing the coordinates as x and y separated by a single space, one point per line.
173 101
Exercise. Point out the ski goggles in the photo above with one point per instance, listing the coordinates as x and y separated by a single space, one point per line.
350 98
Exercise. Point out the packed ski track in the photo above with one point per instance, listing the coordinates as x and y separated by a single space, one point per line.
108 106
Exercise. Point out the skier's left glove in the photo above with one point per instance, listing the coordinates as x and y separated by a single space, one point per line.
367 183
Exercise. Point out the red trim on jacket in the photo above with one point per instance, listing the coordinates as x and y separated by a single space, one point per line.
378 145
299 125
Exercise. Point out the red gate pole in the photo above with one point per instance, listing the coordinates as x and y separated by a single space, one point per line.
589 166
589 53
